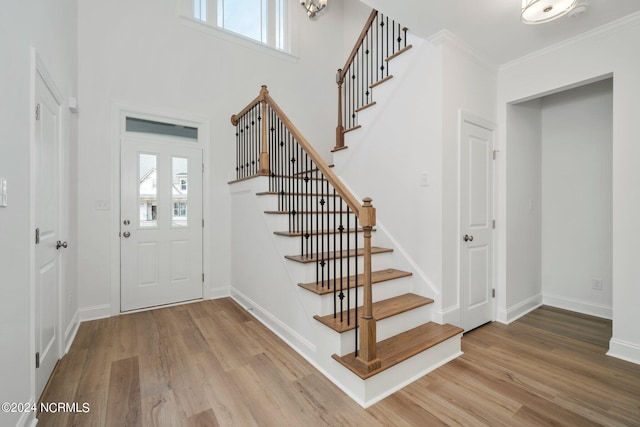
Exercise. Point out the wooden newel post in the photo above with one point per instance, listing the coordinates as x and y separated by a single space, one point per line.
264 154
340 127
367 354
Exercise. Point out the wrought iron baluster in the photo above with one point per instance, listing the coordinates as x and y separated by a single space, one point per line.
335 251
341 230
349 259
355 329
386 40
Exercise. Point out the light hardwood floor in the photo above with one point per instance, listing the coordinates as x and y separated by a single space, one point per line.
211 363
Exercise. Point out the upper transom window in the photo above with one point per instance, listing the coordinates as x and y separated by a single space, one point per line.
265 21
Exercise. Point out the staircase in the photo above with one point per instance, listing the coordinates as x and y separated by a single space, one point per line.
371 334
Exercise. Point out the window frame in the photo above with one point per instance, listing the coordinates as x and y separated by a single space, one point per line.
210 26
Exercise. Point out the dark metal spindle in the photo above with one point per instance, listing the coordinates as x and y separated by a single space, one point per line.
355 329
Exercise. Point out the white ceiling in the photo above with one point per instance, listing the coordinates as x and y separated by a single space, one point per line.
493 27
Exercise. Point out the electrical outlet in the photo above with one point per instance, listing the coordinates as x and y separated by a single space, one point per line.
596 284
3 193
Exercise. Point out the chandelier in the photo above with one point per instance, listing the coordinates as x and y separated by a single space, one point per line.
313 6
541 11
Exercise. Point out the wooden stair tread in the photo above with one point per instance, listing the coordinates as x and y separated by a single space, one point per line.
299 176
311 170
337 255
350 130
344 147
379 276
306 212
317 232
288 193
364 107
379 82
381 310
401 347
398 53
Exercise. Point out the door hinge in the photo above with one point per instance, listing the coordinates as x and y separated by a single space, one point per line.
493 224
495 153
493 292
37 360
202 222
37 111
203 168
37 236
202 277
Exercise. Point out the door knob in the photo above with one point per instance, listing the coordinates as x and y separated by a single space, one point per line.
468 238
60 244
126 234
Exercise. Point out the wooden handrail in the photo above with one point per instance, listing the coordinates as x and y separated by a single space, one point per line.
366 67
343 71
333 179
269 110
245 110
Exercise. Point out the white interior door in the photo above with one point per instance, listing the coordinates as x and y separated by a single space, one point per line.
47 219
161 222
476 216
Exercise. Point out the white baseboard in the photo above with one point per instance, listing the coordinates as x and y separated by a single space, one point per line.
70 333
216 293
93 313
449 315
288 335
580 306
624 350
27 419
515 312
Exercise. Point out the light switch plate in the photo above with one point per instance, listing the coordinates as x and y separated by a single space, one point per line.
3 193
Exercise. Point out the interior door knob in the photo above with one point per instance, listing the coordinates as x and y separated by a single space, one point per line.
126 234
60 244
468 238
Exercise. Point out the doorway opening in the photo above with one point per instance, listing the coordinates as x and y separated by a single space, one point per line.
161 200
559 199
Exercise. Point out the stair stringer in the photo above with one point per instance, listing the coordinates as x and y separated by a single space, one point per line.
396 158
262 287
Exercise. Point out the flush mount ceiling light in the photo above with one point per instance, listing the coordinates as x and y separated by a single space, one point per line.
313 6
541 11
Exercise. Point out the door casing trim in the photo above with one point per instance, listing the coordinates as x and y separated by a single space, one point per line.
119 111
466 117
38 68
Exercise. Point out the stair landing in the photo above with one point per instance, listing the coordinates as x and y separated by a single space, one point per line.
401 347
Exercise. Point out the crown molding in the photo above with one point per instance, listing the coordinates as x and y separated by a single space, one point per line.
446 37
588 35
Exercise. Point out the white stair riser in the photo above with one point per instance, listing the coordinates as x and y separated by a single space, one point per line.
381 291
282 222
291 245
306 272
385 328
301 203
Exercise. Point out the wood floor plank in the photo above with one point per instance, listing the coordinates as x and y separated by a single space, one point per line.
123 401
203 419
212 364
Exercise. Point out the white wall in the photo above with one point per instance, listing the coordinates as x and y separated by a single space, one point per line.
469 86
599 53
577 133
403 133
413 130
50 27
524 202
143 53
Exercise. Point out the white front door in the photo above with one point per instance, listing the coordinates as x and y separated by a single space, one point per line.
476 226
47 234
160 222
